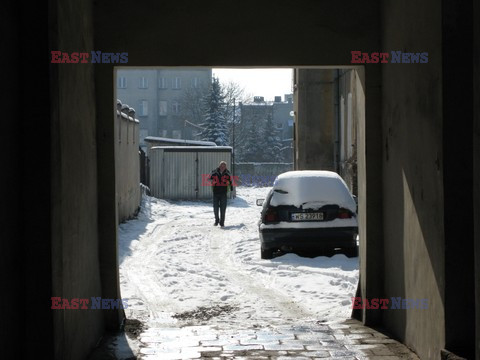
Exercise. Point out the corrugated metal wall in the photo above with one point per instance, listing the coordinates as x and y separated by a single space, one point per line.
176 173
179 175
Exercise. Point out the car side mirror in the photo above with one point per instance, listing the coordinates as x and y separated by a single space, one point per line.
260 202
356 202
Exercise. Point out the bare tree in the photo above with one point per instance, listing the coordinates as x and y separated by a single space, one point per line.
234 94
192 106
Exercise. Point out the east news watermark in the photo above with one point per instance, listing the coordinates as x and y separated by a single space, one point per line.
393 303
94 57
393 57
93 303
238 180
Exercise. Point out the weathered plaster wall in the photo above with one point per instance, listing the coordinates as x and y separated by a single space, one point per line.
315 119
75 240
413 181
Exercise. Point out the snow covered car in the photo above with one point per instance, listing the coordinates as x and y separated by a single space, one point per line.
308 210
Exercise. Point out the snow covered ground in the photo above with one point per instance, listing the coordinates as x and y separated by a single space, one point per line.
177 268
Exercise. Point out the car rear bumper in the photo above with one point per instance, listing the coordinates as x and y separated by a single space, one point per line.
319 238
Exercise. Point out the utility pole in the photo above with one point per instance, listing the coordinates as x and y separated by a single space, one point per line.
233 140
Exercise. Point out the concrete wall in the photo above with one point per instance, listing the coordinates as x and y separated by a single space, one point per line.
10 250
413 177
128 162
476 169
351 103
23 255
330 106
426 176
75 238
315 119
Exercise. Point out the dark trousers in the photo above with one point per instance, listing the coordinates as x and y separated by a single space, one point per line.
220 202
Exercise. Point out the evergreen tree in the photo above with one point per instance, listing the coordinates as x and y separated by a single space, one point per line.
272 143
251 138
250 144
215 123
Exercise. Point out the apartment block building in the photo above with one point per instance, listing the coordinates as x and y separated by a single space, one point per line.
281 114
157 95
279 111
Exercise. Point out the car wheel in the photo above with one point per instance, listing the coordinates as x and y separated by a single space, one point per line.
266 253
352 252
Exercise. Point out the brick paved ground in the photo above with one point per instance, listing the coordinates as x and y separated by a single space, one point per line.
343 340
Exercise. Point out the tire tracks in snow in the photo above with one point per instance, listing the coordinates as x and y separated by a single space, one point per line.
273 303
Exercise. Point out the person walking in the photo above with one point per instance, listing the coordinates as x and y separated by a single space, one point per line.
221 184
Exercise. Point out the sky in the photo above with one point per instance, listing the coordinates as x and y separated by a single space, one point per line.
259 82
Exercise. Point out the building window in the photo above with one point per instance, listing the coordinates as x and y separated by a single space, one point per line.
279 126
122 82
143 83
162 133
177 134
143 107
176 107
195 82
176 83
162 108
162 83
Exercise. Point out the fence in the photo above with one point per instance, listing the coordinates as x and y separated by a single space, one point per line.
260 174
127 162
176 171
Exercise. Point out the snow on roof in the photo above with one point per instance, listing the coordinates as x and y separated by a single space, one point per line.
125 116
195 148
155 139
312 189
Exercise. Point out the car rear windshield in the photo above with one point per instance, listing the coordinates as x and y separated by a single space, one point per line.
314 190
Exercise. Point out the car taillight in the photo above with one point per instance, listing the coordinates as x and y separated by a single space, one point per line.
344 214
271 216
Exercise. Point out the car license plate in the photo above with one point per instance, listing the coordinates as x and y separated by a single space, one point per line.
314 216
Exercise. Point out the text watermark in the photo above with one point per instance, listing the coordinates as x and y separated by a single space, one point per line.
93 303
237 180
94 57
392 303
393 57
